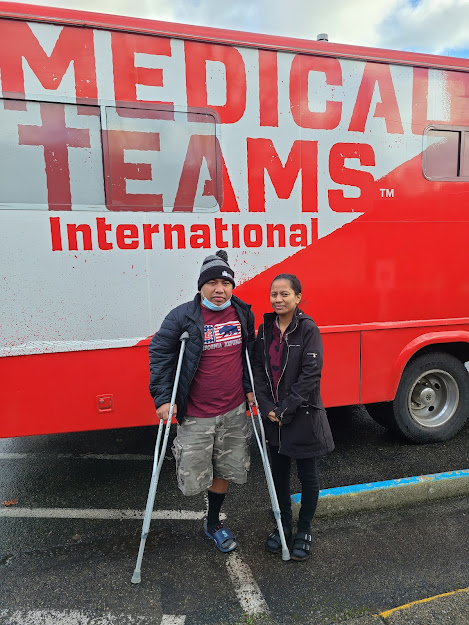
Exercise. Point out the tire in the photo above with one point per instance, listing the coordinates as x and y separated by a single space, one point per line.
432 400
382 413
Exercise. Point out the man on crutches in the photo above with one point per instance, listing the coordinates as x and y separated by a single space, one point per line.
212 443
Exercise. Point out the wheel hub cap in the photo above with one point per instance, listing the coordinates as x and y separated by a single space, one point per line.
424 395
434 398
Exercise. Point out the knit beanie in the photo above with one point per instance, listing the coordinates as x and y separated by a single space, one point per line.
215 266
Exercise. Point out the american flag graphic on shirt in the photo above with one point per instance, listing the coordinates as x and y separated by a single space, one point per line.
221 332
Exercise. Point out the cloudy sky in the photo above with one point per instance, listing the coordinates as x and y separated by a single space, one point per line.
432 26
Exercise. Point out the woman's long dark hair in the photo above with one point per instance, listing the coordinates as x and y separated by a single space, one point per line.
295 284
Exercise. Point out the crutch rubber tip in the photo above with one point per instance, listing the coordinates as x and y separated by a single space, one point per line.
285 555
137 578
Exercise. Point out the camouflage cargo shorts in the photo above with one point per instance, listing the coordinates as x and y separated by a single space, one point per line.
205 448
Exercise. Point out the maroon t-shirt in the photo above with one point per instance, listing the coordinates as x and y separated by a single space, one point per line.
217 386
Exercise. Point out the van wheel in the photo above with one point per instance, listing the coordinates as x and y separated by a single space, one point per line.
432 400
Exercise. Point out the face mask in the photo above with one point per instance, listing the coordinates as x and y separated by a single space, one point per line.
211 306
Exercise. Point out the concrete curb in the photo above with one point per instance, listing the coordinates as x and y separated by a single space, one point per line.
389 494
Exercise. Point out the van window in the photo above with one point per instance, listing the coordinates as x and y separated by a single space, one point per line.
60 156
163 162
50 156
446 153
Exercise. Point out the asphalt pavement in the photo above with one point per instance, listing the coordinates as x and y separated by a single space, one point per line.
396 554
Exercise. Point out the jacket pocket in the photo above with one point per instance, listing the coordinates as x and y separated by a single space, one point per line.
299 429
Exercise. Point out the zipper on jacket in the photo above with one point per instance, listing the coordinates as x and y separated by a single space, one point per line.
195 371
267 371
244 336
284 366
270 384
286 359
283 370
200 355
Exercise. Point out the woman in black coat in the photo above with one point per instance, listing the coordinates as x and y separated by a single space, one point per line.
287 373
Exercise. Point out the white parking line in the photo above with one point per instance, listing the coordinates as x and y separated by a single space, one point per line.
75 617
245 587
39 456
100 513
248 592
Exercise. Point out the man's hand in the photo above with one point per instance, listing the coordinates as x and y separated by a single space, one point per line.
250 397
163 411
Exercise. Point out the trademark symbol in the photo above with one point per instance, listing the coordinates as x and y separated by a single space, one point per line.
387 192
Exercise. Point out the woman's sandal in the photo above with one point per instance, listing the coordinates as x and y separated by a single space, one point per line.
223 538
273 543
302 546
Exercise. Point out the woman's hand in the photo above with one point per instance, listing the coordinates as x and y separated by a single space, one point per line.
273 418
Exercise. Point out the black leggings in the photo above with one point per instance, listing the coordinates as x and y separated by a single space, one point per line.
309 478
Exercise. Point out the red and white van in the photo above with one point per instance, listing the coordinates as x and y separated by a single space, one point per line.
130 148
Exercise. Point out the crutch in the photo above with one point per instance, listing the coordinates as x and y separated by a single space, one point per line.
157 462
265 461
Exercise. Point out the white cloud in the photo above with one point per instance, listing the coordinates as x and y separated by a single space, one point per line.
421 25
343 20
431 25
153 9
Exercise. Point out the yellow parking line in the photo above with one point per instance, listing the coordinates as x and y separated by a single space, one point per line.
408 605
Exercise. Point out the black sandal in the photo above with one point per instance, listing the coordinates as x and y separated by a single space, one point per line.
273 544
302 546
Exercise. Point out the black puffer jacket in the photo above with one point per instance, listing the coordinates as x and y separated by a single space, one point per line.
305 430
165 346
